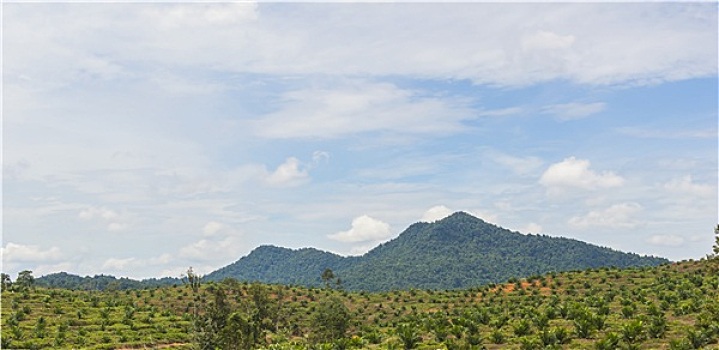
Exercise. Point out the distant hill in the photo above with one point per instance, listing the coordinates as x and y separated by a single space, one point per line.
100 282
460 251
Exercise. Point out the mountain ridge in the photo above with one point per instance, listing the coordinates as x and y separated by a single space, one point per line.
459 251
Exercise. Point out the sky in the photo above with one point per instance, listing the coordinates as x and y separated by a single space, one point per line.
140 139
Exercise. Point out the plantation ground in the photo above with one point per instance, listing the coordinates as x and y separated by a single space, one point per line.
669 307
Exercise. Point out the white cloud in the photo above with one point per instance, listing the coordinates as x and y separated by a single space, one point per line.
288 174
17 170
353 107
13 252
124 266
103 213
519 165
500 112
182 87
211 228
161 260
616 216
671 134
585 43
436 213
45 269
544 40
574 110
218 243
213 250
572 172
116 264
686 186
666 240
116 226
320 156
113 221
364 228
186 15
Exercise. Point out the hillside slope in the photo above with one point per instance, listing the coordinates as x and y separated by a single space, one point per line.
673 306
459 251
272 264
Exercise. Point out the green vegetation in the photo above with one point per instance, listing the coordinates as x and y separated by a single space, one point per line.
667 307
101 282
672 306
40 318
460 251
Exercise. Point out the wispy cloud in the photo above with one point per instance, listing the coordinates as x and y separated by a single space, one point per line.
574 110
616 216
519 165
288 174
686 186
585 43
666 240
668 133
361 107
112 219
14 253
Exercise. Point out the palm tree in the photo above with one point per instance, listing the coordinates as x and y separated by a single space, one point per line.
408 335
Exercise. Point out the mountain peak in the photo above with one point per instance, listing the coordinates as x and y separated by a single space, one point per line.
458 251
462 216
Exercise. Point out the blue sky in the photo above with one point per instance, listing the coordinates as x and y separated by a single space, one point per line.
140 139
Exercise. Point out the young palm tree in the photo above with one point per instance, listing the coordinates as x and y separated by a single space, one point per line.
408 335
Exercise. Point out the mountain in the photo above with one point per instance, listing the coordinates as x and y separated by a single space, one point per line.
284 266
101 282
460 251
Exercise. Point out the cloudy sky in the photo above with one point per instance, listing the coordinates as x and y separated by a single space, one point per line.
143 138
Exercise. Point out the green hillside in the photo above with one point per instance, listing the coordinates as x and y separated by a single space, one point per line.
460 251
673 306
101 282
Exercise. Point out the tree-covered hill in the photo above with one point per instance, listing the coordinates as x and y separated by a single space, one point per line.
101 282
272 264
460 251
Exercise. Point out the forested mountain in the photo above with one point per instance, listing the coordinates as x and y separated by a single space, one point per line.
100 282
459 251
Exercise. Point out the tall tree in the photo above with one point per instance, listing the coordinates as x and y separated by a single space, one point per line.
5 281
192 279
716 242
327 276
331 320
24 280
240 325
